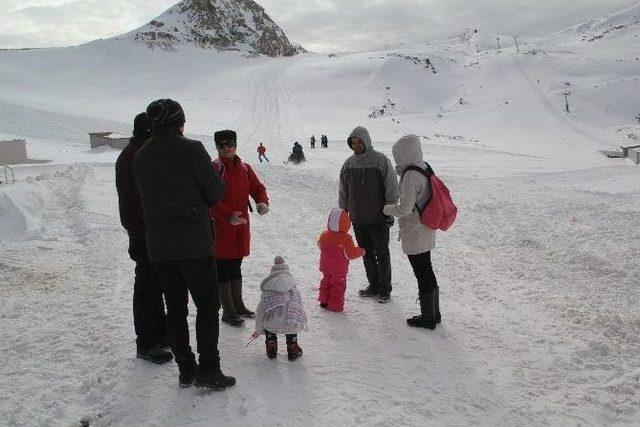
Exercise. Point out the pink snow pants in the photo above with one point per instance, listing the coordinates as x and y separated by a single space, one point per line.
332 287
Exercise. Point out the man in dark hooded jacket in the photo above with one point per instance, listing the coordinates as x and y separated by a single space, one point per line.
148 307
368 183
177 185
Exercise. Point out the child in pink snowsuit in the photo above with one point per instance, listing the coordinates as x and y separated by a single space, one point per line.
336 249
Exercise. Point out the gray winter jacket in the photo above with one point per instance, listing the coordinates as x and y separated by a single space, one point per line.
367 183
414 190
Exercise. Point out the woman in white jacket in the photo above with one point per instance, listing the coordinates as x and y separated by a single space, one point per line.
417 240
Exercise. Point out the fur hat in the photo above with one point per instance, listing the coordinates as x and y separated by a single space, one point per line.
141 126
224 135
279 266
166 112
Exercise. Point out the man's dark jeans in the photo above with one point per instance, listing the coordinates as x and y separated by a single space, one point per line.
374 239
149 318
198 278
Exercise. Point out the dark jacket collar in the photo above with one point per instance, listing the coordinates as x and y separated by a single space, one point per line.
163 130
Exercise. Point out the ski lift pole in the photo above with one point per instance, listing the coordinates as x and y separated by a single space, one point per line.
566 94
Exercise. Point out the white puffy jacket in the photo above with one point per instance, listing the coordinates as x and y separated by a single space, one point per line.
414 189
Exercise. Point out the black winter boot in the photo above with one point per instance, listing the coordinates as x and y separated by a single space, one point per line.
236 293
427 319
154 354
293 349
271 344
188 371
212 378
369 291
229 314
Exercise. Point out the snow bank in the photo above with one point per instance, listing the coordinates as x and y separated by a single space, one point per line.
21 207
23 204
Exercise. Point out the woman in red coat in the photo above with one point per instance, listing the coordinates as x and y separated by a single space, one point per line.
232 224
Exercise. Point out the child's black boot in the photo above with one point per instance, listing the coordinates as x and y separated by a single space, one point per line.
293 349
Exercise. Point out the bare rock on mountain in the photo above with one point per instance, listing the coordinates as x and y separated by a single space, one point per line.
240 25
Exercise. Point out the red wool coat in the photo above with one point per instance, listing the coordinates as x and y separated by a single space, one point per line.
232 241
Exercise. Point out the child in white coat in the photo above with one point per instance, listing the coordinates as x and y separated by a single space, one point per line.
280 311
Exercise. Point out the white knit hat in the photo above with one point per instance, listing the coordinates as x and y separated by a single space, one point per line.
279 265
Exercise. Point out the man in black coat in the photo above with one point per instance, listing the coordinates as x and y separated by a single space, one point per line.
148 307
177 185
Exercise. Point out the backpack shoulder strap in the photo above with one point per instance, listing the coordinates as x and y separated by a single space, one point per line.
427 174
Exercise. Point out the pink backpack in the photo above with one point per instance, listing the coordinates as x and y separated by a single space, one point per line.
440 212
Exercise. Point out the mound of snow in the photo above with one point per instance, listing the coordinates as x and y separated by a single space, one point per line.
21 207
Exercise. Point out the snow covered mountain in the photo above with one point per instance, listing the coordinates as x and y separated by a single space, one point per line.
216 24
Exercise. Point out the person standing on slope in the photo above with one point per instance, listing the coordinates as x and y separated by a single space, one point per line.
176 186
231 217
336 250
417 240
368 183
149 317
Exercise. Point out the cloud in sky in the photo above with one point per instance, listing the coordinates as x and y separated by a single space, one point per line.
319 25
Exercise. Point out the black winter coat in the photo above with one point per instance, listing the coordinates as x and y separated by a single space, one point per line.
128 198
177 185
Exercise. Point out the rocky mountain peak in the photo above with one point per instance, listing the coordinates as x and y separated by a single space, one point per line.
239 25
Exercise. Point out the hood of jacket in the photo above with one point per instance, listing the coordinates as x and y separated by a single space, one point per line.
407 151
281 281
362 133
338 221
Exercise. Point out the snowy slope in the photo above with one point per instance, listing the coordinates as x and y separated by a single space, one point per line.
539 276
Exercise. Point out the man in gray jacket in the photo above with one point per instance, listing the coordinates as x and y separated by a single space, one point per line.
177 185
368 183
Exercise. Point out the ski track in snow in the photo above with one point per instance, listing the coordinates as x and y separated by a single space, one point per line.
535 309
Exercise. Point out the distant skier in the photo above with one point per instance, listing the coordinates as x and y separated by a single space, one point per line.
280 311
261 150
336 250
313 141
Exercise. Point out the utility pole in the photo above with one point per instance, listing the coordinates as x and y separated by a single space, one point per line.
515 39
498 40
566 94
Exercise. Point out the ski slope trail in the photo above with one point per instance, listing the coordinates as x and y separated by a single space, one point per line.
588 138
270 114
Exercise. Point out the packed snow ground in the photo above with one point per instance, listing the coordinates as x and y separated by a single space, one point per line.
539 276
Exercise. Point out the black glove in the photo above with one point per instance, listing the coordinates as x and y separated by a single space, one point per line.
388 221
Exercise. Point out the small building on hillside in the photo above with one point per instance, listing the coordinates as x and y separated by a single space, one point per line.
13 152
634 154
98 139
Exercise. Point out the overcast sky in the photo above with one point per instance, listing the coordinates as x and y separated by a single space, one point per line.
319 25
